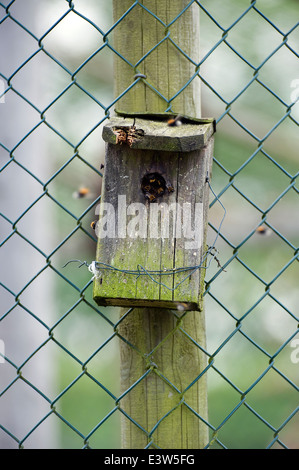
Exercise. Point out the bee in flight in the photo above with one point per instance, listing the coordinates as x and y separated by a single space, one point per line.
82 192
262 230
174 121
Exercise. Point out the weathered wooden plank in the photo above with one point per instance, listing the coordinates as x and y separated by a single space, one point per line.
166 69
147 330
158 135
195 168
152 237
180 361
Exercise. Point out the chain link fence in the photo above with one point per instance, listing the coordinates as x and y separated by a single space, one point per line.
59 362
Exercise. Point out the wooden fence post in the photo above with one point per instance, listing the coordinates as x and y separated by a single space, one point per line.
156 345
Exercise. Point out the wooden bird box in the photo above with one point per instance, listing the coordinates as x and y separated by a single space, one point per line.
153 212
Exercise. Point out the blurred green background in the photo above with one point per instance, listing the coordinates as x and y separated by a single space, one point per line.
261 181
245 116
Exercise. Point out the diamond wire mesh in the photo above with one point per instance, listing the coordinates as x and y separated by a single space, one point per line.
248 74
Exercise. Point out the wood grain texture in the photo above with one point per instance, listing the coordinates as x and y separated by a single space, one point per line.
161 397
153 343
154 134
163 243
166 68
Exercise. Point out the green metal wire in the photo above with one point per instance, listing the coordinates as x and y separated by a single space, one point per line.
230 182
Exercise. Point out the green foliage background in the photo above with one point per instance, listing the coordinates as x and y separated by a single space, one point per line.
82 329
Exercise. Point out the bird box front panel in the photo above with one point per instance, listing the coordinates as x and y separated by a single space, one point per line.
153 215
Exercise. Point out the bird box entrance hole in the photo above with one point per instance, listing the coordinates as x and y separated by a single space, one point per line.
153 212
154 186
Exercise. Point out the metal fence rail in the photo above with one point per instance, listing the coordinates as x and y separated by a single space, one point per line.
251 299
